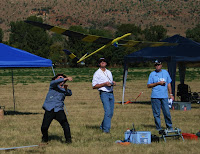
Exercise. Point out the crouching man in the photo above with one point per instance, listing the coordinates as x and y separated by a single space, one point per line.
54 104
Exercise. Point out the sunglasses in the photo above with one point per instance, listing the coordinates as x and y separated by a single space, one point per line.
157 64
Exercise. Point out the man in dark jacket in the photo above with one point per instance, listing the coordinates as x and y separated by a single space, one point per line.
54 104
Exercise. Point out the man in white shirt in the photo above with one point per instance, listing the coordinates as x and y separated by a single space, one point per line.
103 81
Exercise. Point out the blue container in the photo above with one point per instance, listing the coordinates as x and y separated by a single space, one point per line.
128 136
138 137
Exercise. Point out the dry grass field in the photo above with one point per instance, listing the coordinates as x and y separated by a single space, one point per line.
85 113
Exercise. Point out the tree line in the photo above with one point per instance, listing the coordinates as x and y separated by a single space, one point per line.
50 45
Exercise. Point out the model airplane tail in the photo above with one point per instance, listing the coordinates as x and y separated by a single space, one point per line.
71 55
74 58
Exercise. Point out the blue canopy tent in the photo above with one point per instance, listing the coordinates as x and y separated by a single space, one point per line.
186 51
15 58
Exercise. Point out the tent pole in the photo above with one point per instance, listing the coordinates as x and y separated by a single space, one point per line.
172 72
13 90
124 81
53 70
182 70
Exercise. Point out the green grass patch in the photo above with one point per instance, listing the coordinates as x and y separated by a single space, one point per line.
42 75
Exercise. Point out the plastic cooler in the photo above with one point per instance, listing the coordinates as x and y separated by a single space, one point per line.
138 137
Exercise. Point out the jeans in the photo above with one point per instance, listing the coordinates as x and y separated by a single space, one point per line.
61 118
108 105
157 104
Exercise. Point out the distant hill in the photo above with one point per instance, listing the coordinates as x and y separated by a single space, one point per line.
175 15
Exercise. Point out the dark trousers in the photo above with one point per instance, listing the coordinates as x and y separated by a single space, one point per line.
61 118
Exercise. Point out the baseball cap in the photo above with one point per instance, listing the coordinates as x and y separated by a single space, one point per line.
59 74
102 59
157 62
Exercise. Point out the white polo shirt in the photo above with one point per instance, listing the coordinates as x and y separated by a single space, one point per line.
100 77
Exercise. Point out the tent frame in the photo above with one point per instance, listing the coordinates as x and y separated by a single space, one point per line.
13 88
11 57
171 69
186 51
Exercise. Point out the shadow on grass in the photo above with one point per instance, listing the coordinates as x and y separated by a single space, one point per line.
93 127
141 102
19 113
195 107
55 137
148 126
144 102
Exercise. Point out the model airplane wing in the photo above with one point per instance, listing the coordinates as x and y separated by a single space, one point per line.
132 43
95 38
72 34
98 39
